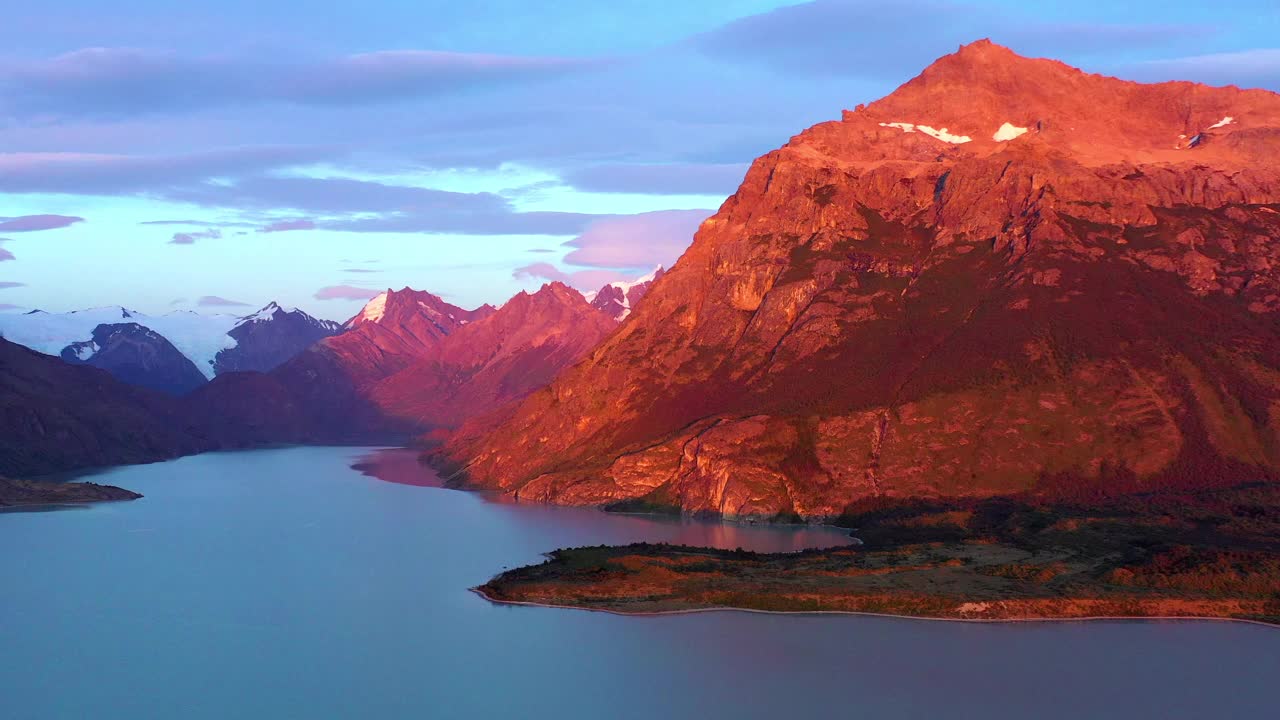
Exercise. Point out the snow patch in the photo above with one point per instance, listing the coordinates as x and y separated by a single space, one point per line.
1222 123
199 337
938 134
374 310
1007 132
87 350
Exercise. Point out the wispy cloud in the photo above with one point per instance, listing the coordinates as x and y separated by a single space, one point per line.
1249 68
287 226
190 238
105 80
108 174
215 301
658 178
34 223
6 284
344 292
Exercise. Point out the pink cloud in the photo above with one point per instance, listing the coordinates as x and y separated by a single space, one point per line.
33 223
344 292
287 225
645 240
584 280
5 255
9 284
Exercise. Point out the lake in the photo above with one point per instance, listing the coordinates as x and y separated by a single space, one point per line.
285 584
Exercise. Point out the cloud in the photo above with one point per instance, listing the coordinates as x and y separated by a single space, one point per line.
287 225
584 280
177 301
458 221
5 255
360 270
215 301
110 174
344 292
864 38
109 81
658 178
644 240
33 223
190 238
330 195
11 306
1248 68
9 284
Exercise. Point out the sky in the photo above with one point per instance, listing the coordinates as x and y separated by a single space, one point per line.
217 156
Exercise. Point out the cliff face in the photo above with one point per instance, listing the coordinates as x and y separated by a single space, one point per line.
1008 275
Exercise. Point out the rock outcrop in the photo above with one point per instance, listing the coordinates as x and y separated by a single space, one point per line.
1007 276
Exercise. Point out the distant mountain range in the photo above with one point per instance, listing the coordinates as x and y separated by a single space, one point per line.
408 363
173 353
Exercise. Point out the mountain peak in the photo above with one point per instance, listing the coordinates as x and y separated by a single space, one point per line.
985 99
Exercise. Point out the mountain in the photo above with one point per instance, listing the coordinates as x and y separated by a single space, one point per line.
616 299
197 336
1007 276
214 344
477 368
269 337
137 356
55 416
324 393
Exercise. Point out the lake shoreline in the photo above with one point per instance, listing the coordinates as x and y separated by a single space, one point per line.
479 590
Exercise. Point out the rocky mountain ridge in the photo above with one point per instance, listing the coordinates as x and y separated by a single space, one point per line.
1007 276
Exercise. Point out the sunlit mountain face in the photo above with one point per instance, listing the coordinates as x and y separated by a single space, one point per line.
349 353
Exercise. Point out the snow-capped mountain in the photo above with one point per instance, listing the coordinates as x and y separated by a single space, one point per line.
618 298
269 337
137 356
198 336
212 343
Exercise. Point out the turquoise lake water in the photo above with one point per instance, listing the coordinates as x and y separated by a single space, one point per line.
284 584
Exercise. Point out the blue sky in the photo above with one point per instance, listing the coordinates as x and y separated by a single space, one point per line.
156 153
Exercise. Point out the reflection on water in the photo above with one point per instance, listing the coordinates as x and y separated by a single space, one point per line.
401 465
50 507
283 584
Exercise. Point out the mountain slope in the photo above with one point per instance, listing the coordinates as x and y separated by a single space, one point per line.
517 349
324 393
1008 275
270 337
55 416
137 356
